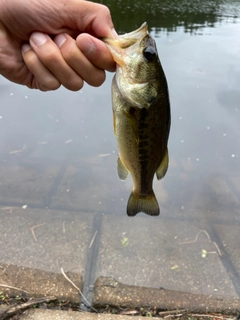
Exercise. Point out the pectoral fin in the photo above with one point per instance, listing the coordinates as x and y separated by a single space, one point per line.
114 123
162 169
122 170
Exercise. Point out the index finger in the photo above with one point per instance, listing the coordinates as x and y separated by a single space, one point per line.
96 52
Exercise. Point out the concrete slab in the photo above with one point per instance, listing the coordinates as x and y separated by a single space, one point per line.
72 315
197 196
26 185
154 252
45 239
229 237
231 242
89 187
236 181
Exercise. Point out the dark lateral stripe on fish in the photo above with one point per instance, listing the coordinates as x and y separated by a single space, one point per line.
144 175
143 118
143 157
143 152
142 143
143 149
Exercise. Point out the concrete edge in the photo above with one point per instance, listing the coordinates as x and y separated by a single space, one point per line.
34 283
110 292
73 315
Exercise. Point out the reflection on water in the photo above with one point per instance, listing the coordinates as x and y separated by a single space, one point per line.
168 15
58 152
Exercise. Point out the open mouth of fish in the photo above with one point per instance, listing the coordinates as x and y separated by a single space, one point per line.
127 41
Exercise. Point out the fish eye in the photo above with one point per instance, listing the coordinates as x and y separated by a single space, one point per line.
149 53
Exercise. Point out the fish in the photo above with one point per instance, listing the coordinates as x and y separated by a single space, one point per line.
141 116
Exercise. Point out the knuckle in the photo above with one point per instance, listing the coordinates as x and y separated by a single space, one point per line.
49 85
30 58
105 10
68 51
98 79
75 85
50 57
47 59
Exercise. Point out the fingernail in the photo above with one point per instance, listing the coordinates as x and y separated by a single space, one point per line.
60 39
87 47
38 38
114 33
26 47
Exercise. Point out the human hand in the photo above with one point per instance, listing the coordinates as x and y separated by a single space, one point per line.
48 43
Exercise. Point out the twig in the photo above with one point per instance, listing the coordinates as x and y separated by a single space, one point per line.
170 312
93 238
78 289
17 151
10 287
129 312
104 155
209 316
32 230
10 209
175 315
218 250
209 239
196 239
15 309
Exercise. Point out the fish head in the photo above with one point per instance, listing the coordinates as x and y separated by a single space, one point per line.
137 74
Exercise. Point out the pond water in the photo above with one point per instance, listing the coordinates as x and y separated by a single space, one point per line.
58 153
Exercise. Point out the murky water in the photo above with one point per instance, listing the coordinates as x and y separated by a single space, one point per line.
58 150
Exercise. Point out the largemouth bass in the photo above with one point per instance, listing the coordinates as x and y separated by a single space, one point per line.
141 112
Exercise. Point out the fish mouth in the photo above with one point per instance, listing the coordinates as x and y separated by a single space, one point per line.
117 47
128 39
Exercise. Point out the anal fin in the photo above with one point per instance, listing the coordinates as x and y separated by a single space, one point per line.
122 170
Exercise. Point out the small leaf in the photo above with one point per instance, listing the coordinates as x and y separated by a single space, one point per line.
175 267
124 241
204 253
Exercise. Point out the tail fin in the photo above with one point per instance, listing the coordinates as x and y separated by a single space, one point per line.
147 204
